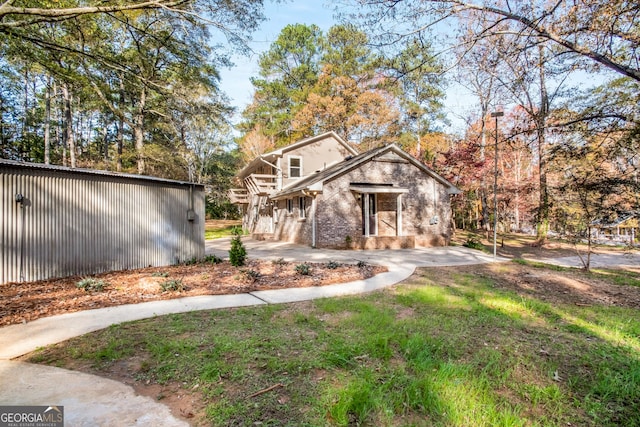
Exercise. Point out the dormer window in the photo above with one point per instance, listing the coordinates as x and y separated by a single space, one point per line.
295 167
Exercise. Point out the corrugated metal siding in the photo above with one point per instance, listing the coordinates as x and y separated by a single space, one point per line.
78 223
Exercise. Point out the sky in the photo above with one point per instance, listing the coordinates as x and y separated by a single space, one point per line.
235 81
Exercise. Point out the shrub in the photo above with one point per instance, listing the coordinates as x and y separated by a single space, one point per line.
251 275
474 243
192 261
160 274
279 261
362 264
212 259
347 241
303 269
332 265
173 285
237 253
90 284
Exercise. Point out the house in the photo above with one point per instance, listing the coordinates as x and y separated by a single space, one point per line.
621 229
59 222
321 192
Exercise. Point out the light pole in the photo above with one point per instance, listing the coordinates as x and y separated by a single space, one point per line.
495 114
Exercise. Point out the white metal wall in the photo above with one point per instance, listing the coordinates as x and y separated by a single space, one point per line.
75 222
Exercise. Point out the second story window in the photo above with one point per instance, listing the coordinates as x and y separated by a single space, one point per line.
295 167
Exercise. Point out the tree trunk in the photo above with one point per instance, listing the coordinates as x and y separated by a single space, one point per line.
120 136
138 130
541 122
105 140
47 123
25 114
68 123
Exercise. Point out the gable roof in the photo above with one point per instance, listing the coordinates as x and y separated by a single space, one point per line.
311 181
271 156
620 219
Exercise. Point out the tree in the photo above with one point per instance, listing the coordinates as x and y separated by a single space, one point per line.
477 71
287 72
358 113
597 188
602 33
136 76
351 95
420 90
599 159
22 24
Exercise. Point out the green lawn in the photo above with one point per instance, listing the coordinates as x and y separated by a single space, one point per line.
442 349
217 229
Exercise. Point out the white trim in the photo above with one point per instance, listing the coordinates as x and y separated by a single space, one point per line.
399 215
300 173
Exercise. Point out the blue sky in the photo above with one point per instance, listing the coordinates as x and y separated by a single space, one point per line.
235 82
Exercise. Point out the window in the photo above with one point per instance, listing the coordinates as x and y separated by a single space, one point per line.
289 206
295 167
301 207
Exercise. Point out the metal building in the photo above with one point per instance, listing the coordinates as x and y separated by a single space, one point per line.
58 222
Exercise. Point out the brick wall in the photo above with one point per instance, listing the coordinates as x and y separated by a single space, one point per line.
339 215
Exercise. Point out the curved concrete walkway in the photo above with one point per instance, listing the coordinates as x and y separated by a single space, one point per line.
95 401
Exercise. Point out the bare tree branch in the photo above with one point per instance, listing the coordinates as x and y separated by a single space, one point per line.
38 14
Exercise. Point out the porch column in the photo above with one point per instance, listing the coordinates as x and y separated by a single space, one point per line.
399 215
313 221
366 214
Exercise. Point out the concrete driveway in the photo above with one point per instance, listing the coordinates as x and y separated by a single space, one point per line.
418 257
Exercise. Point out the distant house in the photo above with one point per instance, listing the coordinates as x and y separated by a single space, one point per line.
624 228
321 192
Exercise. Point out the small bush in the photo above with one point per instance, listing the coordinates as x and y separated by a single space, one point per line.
473 243
173 285
303 269
90 284
332 265
237 253
361 264
192 261
279 261
251 275
160 274
212 259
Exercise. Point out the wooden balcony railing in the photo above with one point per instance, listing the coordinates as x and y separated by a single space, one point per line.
239 196
261 185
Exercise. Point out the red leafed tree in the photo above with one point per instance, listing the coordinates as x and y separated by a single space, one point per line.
469 163
464 165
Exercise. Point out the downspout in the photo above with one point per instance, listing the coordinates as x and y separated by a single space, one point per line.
21 200
435 202
313 221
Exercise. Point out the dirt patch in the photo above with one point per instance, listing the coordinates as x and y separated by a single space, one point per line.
570 286
25 302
